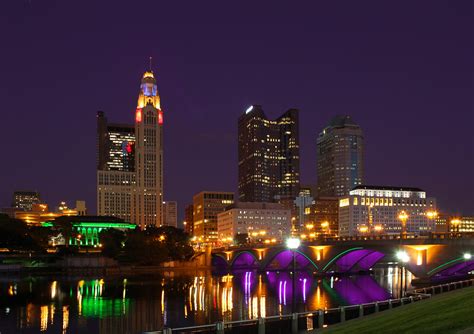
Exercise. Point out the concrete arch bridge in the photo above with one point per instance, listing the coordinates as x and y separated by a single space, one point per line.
428 259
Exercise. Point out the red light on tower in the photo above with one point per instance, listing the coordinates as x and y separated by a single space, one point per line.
138 115
160 117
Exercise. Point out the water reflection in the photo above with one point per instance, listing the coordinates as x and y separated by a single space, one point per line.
62 305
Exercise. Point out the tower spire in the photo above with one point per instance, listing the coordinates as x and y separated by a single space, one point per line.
150 62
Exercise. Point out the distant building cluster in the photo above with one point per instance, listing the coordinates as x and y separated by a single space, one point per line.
271 203
29 207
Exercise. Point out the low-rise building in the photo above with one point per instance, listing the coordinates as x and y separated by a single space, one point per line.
383 210
463 224
266 222
206 206
322 218
40 213
170 213
85 230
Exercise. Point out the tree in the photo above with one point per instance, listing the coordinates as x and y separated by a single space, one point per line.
15 235
112 241
241 239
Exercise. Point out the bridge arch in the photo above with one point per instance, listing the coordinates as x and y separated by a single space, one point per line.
356 257
219 261
455 267
284 258
244 259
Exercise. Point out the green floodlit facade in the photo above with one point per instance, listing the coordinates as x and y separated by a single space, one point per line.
87 233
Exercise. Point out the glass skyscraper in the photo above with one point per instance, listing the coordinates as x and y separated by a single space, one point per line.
268 154
340 157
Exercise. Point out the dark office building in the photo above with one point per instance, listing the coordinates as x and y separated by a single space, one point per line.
115 145
189 219
24 200
340 157
268 153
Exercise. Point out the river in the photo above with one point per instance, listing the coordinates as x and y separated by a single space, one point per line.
136 304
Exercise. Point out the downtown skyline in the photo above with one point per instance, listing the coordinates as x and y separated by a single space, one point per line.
404 103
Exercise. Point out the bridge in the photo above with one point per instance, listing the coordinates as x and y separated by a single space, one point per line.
433 259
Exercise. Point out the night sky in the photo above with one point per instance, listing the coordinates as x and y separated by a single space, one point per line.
402 69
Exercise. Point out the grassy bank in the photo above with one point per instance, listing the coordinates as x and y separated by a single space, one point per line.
446 313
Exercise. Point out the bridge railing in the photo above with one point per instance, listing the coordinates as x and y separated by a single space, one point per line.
431 236
295 322
436 289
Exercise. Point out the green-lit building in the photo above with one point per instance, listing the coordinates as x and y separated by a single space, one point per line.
86 229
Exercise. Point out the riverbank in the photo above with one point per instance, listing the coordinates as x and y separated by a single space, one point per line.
451 312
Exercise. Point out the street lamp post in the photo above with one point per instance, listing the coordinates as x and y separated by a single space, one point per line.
403 257
293 244
403 216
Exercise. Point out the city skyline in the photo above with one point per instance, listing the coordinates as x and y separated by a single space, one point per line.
202 112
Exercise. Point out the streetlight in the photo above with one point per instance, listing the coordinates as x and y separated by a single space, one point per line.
293 244
404 258
403 216
467 256
432 214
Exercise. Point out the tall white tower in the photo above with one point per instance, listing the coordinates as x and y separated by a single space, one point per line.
148 197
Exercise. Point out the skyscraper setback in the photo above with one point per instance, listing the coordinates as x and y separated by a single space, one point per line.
130 161
340 157
268 153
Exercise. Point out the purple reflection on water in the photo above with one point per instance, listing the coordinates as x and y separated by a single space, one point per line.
244 260
304 289
246 279
360 289
284 259
283 283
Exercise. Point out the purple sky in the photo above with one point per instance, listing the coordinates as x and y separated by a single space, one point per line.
403 70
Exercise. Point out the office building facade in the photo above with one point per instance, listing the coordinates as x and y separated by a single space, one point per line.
323 217
170 213
268 156
340 157
188 223
260 222
24 200
206 205
372 210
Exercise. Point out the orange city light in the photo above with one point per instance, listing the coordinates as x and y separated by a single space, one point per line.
403 215
432 214
378 228
363 229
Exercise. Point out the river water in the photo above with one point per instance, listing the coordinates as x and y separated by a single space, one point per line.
137 304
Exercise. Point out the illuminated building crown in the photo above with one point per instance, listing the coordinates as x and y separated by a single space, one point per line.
148 92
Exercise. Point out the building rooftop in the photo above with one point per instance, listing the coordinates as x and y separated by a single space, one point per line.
392 188
257 205
339 121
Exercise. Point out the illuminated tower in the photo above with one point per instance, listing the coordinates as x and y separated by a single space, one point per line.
148 199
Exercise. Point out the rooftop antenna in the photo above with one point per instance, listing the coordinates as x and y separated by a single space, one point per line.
150 63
